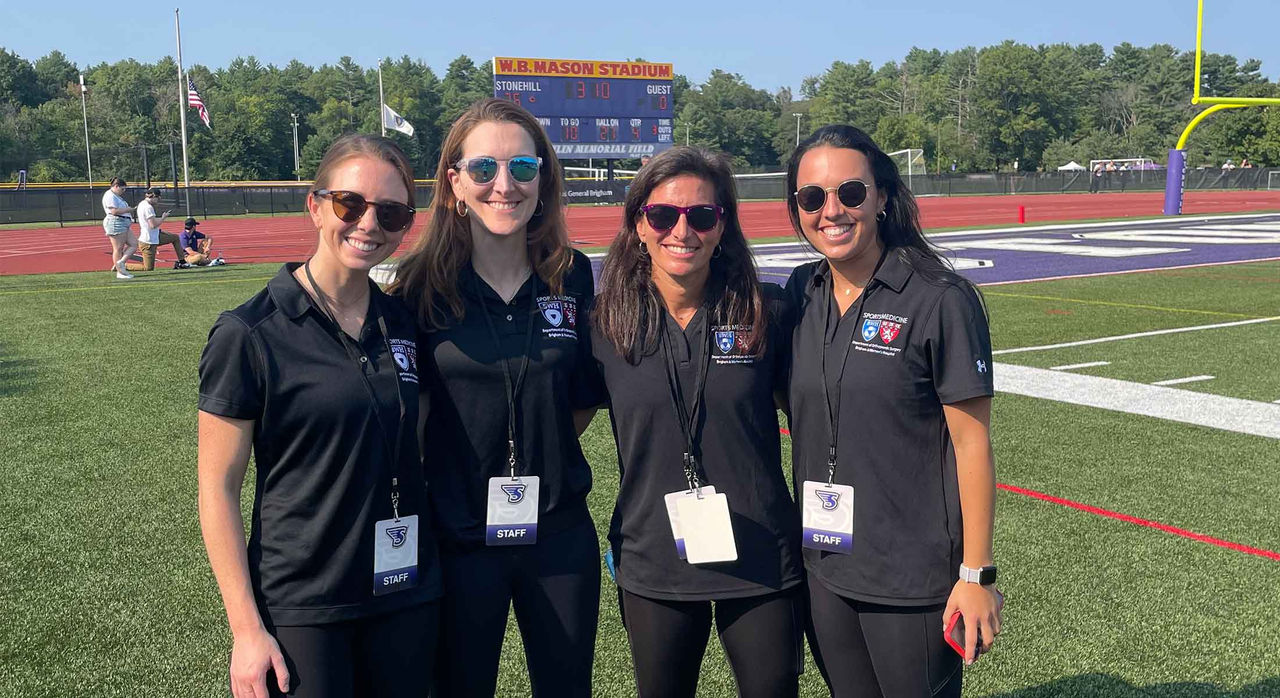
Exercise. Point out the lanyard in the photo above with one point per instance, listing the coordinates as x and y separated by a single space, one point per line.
833 411
688 420
512 387
357 354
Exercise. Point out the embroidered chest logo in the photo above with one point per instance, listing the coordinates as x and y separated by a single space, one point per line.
405 353
879 332
561 313
732 344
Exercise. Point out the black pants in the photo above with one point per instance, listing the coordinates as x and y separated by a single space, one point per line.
865 649
554 586
760 634
386 655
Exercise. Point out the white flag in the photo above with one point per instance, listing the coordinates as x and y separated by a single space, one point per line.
394 121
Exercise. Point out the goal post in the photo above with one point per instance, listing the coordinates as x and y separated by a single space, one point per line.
1273 180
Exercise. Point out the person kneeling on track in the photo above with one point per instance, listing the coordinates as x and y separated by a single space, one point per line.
197 246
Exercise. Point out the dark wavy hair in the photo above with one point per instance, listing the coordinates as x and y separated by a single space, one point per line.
900 230
629 310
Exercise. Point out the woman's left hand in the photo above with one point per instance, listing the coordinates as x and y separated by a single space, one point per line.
980 607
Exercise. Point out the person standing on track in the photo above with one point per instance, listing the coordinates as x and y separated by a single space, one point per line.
503 302
336 594
116 223
890 404
693 350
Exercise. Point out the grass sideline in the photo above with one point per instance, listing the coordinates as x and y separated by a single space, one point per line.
105 589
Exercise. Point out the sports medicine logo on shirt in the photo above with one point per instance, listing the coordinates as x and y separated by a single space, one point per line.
561 313
730 344
405 354
878 333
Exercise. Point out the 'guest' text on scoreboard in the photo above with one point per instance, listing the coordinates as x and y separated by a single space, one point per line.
592 109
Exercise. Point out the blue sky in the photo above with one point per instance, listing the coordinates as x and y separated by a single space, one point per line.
772 44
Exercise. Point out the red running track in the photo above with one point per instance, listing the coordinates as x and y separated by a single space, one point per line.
83 248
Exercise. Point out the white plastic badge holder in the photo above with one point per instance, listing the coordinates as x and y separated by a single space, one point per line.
828 517
707 529
395 555
512 516
674 517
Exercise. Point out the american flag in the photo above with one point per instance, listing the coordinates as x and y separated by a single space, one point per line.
193 100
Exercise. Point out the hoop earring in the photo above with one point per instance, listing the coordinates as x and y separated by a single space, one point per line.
882 215
537 210
460 208
644 251
718 251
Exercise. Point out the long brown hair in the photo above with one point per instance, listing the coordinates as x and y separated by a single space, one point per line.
428 276
629 309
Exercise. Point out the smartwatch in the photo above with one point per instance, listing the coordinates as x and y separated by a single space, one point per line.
983 575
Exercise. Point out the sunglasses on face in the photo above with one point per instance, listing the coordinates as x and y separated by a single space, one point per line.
811 198
350 207
701 218
484 169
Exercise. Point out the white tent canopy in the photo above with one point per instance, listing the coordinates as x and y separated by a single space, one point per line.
1072 166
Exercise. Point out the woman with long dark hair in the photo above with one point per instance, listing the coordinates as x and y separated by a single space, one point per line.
502 301
693 351
335 592
890 406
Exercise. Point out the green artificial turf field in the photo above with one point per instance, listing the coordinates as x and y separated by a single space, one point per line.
105 589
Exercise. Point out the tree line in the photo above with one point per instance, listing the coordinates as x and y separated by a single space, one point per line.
995 108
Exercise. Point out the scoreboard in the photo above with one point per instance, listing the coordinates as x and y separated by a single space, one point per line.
592 109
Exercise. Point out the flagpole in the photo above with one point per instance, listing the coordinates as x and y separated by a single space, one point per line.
85 110
182 114
382 104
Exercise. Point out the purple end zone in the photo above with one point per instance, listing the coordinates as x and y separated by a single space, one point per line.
776 261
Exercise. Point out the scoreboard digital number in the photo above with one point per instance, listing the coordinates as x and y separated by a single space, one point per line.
592 109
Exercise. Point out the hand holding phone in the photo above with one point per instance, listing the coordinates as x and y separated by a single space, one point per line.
955 630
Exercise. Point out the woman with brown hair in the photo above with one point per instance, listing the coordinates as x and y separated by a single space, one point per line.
335 593
693 350
502 301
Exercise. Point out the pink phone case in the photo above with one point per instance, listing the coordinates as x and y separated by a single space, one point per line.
954 633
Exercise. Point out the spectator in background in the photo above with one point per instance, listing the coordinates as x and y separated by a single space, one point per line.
1124 176
1245 164
1228 165
1096 180
150 236
196 246
116 223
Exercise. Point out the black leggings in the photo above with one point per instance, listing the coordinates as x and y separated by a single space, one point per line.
387 655
877 650
760 634
554 586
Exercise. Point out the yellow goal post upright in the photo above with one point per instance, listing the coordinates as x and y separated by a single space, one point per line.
1175 176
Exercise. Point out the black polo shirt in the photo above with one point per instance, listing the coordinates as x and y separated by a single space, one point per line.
739 453
920 342
323 465
465 431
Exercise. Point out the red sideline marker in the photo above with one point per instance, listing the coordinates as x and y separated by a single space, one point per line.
1249 550
1022 214
1143 522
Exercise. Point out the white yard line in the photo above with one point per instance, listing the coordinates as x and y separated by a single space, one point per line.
1188 407
1180 381
1072 367
1117 338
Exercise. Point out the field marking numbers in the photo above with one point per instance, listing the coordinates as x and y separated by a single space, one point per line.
1180 381
1172 404
1117 338
1072 367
